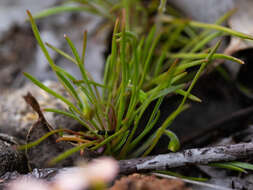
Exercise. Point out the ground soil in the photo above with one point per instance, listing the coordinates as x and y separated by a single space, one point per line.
143 182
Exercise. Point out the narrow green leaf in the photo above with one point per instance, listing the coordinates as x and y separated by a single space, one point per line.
203 55
39 40
139 151
205 41
64 72
90 82
123 140
147 129
62 9
169 90
182 176
74 50
208 26
178 77
184 66
190 96
71 116
69 152
84 46
228 166
221 28
50 91
69 87
37 142
67 56
243 165
148 59
174 144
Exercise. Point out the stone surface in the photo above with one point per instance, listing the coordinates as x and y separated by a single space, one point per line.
15 59
205 11
16 117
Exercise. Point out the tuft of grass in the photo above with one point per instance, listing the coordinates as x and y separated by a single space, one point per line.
140 69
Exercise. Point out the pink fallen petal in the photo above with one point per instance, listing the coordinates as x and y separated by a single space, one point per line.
72 179
28 184
103 169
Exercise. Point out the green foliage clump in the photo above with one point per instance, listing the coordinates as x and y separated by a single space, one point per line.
141 69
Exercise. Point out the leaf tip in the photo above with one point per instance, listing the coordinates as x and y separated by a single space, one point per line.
28 12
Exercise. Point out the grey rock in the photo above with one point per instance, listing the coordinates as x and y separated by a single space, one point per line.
52 29
205 11
16 117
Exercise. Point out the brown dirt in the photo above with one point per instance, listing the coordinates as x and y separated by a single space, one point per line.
143 182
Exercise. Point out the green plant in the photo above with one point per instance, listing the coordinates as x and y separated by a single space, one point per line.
136 74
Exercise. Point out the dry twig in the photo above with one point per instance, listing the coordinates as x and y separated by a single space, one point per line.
187 157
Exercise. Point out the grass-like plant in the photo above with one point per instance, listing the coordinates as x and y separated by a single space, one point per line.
139 70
